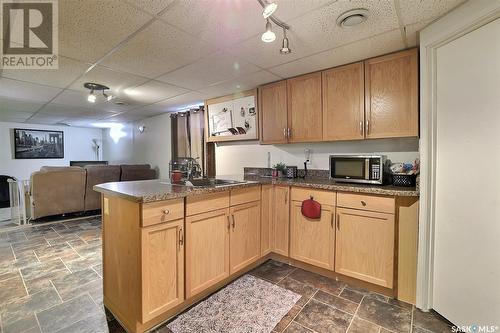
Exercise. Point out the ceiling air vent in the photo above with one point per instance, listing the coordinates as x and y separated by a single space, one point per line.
352 17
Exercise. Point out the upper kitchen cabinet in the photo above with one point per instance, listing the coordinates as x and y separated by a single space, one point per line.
273 113
343 103
305 119
391 95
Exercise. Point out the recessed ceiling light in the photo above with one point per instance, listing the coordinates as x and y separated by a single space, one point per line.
352 17
268 36
269 9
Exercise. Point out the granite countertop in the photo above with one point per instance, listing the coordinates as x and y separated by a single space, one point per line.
157 190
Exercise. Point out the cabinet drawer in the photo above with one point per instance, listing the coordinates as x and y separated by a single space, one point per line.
323 197
366 202
206 203
162 211
244 195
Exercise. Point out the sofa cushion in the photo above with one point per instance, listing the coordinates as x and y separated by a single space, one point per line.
131 172
98 174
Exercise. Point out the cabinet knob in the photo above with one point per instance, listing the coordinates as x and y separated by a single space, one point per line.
166 211
363 203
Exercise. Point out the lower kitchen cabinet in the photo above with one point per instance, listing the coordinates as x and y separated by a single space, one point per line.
244 239
312 240
281 219
266 219
207 250
162 268
365 246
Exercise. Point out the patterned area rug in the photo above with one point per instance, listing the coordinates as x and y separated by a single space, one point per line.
248 305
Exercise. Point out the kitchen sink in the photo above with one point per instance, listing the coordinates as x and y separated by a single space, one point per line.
210 182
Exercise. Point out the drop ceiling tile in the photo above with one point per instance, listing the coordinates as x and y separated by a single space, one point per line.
360 50
183 101
152 92
26 91
289 9
16 105
412 32
89 29
45 119
319 30
158 49
78 99
245 82
67 72
117 81
218 67
14 115
151 6
126 117
72 111
413 11
221 23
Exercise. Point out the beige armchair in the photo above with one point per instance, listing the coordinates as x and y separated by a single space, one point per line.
57 190
98 174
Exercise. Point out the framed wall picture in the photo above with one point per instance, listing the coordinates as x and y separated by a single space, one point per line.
38 144
232 118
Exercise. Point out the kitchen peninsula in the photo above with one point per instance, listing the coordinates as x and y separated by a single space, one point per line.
167 246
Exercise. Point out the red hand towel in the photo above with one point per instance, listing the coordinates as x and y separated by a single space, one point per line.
311 209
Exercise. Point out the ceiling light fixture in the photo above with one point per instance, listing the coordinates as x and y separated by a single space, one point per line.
269 9
91 98
268 36
352 17
285 48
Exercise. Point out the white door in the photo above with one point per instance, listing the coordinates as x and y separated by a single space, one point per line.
466 285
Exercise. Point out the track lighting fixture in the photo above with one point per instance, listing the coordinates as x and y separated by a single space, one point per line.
268 36
91 98
269 9
285 48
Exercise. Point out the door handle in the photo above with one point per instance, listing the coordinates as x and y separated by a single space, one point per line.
228 222
289 132
234 223
338 222
331 222
181 237
286 197
284 132
367 127
361 127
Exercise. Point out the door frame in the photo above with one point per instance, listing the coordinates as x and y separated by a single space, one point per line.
462 20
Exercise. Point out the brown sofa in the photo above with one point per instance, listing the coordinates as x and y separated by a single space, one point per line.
98 174
61 190
57 190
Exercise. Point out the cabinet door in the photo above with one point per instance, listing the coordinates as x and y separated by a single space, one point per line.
305 118
266 219
162 268
207 250
281 220
391 95
312 241
365 246
244 238
273 112
344 103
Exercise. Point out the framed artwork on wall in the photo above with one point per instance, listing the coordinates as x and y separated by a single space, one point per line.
38 144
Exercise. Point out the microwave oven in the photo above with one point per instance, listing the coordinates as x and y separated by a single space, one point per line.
366 169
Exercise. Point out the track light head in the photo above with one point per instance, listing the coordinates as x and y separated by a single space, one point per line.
269 9
91 97
285 44
268 36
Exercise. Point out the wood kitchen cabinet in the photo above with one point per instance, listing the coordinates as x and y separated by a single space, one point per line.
207 250
281 220
365 245
344 103
305 120
391 95
266 219
162 268
313 240
273 113
244 239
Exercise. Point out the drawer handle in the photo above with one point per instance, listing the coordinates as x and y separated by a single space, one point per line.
166 211
363 203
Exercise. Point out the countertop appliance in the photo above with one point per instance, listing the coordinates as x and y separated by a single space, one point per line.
365 169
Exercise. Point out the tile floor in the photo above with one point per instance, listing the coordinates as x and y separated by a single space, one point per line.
51 281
